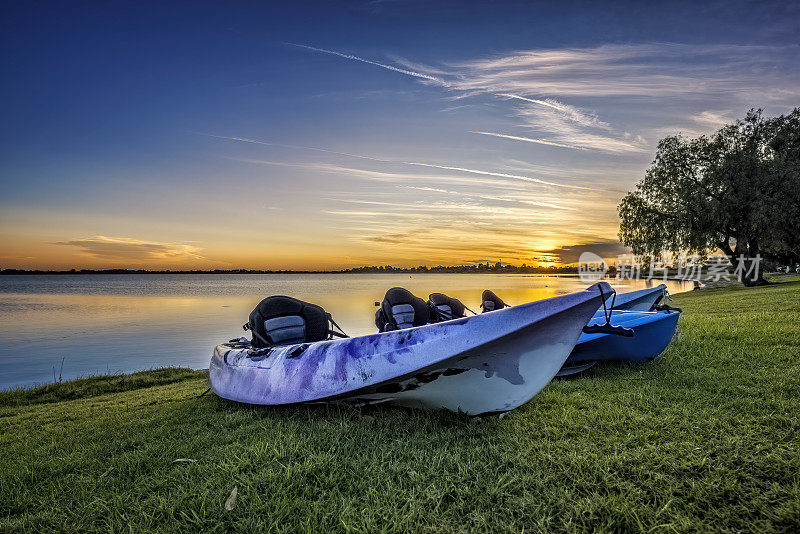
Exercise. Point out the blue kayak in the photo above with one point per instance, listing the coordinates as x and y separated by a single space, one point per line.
653 331
641 300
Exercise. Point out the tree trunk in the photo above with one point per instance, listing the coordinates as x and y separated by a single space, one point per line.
747 263
748 279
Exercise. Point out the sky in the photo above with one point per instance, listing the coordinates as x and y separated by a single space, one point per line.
326 135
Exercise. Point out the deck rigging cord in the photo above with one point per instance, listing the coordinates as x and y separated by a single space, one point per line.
607 328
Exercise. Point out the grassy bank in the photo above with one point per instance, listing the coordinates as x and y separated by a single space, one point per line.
706 438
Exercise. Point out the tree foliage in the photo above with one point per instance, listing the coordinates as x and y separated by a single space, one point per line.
737 190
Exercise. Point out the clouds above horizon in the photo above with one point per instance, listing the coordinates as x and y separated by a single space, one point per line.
606 248
536 82
636 69
134 250
467 207
420 133
392 176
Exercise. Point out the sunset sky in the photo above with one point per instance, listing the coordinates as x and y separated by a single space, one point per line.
329 135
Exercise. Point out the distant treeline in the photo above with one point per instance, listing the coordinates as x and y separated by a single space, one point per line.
476 268
472 268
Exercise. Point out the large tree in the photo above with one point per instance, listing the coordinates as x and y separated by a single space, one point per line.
737 191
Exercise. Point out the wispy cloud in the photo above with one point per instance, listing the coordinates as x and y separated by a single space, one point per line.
486 224
695 124
570 112
604 248
381 176
435 206
713 119
133 250
564 131
384 175
643 69
470 209
499 174
539 80
495 198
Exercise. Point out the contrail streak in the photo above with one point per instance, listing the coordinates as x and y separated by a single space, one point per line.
530 140
298 147
361 59
533 100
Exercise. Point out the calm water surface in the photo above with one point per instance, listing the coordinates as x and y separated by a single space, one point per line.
122 323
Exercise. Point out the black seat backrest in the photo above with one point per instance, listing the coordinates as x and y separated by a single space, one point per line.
444 308
280 320
401 309
491 302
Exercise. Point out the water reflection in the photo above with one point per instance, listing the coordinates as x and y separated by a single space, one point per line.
109 323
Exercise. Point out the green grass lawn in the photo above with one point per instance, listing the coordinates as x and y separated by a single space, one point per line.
705 438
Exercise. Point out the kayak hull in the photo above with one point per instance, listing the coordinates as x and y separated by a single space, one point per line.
653 332
491 362
468 384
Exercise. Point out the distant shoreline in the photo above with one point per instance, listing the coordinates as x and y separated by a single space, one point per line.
357 270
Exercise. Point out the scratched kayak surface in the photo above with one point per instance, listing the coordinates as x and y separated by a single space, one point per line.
488 363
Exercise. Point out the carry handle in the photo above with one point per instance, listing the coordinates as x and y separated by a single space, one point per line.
607 328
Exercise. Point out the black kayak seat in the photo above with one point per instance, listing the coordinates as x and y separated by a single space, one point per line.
491 302
286 330
280 320
401 309
444 308
403 315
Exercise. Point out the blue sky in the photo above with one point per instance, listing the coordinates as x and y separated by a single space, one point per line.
318 135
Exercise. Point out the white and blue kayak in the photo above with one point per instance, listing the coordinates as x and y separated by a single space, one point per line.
652 333
483 364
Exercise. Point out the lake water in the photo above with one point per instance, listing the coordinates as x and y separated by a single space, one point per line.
123 323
